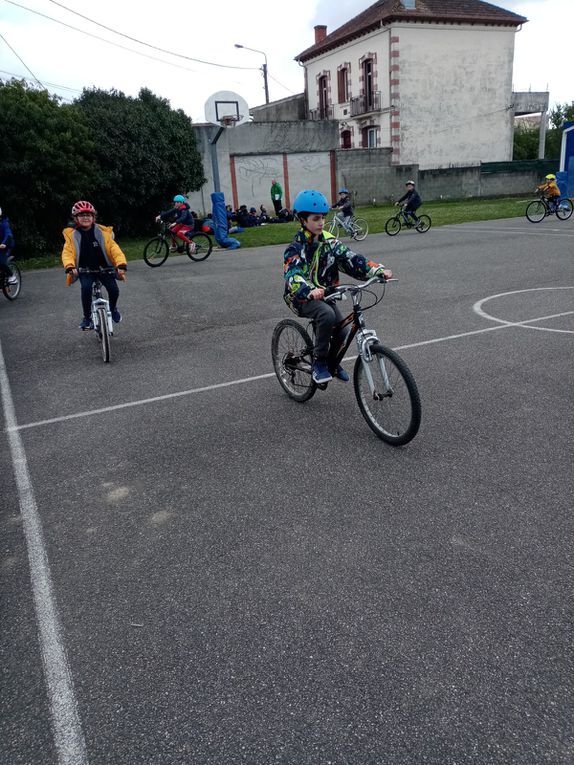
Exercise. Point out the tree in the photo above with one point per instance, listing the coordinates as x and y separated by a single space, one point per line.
146 152
46 161
525 143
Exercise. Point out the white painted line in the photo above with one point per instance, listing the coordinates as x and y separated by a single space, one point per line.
546 232
66 726
501 324
478 309
142 402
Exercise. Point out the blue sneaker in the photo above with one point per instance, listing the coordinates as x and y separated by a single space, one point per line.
86 324
341 374
321 373
116 316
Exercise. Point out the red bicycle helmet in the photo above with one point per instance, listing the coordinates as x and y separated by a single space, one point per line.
83 207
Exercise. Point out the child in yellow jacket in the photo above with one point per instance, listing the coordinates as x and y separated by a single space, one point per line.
549 190
90 245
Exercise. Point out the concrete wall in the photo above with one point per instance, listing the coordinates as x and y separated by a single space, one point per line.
303 155
455 94
288 109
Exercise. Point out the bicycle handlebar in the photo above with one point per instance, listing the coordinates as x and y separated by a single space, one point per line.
336 293
103 270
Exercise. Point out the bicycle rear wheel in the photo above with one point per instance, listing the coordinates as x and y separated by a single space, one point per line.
564 209
292 353
360 228
536 211
156 252
103 334
424 224
11 291
203 246
393 409
393 226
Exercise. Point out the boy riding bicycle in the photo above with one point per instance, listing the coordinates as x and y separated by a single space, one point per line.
345 216
91 245
311 265
181 221
549 191
412 201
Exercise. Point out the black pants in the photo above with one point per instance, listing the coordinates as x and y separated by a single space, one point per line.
277 205
109 282
324 317
4 256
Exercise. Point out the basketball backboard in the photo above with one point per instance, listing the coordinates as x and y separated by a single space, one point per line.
226 109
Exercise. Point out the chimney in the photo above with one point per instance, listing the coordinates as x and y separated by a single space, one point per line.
320 33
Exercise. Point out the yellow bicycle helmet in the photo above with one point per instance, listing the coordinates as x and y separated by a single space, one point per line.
550 177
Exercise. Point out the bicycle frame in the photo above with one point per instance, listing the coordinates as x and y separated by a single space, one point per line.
365 338
98 300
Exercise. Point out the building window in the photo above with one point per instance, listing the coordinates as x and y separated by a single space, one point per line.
369 83
369 135
346 139
343 85
323 97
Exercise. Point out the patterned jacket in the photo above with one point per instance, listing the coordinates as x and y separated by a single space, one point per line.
310 263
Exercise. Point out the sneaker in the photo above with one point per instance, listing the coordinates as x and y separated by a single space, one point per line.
320 372
116 316
173 249
341 374
87 323
12 280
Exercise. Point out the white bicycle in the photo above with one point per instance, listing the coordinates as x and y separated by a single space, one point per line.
100 311
356 228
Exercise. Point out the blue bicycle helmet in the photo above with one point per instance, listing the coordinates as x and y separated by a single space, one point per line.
179 198
343 191
310 201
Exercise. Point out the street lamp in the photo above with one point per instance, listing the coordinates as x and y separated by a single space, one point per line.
263 68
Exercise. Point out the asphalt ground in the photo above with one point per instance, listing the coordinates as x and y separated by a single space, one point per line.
196 569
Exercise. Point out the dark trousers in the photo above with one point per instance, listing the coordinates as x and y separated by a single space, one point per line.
109 282
4 267
324 317
277 205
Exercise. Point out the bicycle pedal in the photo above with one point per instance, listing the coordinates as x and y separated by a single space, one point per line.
322 386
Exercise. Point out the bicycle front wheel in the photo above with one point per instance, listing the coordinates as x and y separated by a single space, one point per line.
536 211
393 226
333 228
424 224
292 353
103 334
360 229
392 406
156 252
203 246
11 291
564 209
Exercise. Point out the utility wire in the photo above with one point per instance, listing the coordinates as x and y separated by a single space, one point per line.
140 42
22 62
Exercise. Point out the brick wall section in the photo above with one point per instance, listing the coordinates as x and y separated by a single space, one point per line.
395 95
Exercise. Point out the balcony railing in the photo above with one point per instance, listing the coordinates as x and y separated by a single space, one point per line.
369 102
322 113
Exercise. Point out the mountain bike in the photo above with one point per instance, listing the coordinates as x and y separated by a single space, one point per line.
10 288
100 312
356 228
158 248
402 220
385 389
541 208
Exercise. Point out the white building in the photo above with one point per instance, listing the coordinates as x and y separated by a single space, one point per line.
431 79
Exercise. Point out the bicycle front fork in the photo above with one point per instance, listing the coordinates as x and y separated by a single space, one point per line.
365 340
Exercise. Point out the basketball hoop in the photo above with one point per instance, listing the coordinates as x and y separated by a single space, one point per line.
228 120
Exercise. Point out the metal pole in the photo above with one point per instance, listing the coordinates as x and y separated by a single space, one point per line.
264 68
214 163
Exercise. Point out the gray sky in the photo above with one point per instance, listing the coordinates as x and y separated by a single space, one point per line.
66 60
